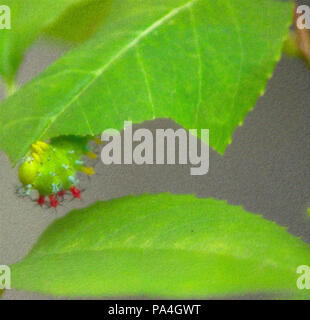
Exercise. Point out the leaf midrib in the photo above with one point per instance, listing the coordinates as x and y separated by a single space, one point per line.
194 251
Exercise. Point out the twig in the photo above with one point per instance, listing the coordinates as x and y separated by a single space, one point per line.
302 40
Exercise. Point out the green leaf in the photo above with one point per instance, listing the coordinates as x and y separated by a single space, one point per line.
162 245
80 21
202 63
28 19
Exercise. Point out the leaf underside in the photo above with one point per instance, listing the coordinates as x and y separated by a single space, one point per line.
163 245
201 63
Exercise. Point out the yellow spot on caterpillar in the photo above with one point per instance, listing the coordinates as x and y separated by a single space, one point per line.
44 146
92 155
88 170
36 149
36 157
98 141
39 147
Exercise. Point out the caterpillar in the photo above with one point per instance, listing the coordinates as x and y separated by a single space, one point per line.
51 168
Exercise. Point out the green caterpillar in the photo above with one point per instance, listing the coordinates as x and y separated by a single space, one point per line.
51 168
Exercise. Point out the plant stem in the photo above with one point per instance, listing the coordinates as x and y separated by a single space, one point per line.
303 39
303 42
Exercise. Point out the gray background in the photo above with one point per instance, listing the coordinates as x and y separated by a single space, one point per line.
265 169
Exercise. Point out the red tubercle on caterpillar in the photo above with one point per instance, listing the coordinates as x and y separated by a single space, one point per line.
75 192
41 200
53 201
61 193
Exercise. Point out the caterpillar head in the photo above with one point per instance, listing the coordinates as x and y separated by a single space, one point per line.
28 171
52 168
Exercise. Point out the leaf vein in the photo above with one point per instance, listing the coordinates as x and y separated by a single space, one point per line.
198 49
129 46
146 80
